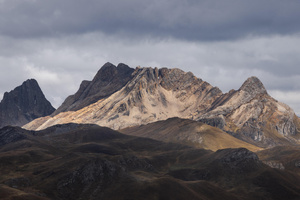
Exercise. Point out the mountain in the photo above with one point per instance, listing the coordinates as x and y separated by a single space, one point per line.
77 161
24 104
188 132
149 95
120 97
107 81
254 116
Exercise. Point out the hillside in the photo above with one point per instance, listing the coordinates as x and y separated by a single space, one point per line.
188 132
74 161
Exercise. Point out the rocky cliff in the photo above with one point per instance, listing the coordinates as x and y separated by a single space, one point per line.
252 115
120 97
151 94
24 104
107 81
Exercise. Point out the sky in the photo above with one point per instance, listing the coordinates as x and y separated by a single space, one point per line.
62 42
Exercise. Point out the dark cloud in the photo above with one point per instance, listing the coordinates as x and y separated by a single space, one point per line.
189 19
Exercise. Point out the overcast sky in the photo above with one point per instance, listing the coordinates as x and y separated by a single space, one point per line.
62 42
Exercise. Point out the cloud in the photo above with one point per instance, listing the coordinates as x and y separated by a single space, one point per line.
188 20
44 75
226 64
61 43
56 82
290 98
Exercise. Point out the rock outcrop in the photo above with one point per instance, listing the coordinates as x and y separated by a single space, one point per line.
24 104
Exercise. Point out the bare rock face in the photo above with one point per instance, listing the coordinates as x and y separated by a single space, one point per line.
148 95
252 115
107 81
24 104
253 86
120 97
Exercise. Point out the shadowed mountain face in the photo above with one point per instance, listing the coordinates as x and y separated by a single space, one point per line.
24 104
108 80
74 161
121 97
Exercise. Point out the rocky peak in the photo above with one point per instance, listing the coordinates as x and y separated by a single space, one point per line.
252 115
134 97
170 79
27 85
108 80
124 69
108 72
176 79
23 104
254 86
120 97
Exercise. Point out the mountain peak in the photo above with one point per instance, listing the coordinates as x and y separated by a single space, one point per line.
26 85
106 72
127 97
108 80
109 72
253 85
23 104
120 97
30 82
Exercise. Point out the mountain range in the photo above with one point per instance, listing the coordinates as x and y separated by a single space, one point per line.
149 133
119 97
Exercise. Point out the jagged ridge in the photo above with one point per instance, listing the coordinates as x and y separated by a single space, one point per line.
108 80
252 115
151 94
